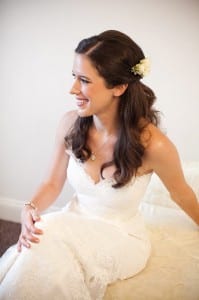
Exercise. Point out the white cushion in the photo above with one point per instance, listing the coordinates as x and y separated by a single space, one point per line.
158 194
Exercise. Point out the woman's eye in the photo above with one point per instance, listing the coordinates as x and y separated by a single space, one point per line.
84 80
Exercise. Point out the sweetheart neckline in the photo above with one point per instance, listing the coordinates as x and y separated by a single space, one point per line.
110 180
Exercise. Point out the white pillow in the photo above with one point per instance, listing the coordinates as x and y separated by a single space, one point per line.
158 194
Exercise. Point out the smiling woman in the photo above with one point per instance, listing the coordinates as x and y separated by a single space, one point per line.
112 84
90 89
107 149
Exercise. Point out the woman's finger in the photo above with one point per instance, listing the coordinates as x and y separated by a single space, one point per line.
24 242
36 218
19 246
35 215
31 238
31 228
28 230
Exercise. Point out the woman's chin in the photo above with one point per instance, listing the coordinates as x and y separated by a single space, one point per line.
84 113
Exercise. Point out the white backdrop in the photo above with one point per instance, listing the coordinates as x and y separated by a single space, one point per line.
36 54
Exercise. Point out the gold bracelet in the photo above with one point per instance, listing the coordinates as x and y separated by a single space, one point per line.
30 204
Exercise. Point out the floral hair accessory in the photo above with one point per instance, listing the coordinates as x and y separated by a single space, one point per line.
142 68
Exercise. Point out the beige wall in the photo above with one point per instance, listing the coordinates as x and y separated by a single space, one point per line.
37 41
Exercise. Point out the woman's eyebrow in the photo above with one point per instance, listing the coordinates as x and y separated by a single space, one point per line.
82 76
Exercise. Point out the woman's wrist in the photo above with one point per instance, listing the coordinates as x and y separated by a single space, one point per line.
30 204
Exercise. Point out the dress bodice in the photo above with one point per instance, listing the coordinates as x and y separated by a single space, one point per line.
101 199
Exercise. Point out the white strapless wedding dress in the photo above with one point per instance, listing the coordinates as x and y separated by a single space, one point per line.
96 239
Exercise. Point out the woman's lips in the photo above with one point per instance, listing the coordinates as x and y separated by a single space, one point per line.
81 102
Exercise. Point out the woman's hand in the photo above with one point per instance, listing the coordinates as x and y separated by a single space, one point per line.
28 233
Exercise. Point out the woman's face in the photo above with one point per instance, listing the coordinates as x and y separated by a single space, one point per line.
92 95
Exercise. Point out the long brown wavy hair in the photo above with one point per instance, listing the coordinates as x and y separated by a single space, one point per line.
113 54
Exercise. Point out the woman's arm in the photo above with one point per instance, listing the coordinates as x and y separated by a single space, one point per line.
163 158
55 177
50 188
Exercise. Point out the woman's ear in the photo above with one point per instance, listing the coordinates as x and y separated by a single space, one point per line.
120 89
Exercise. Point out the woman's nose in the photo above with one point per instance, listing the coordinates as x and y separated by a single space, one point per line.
75 89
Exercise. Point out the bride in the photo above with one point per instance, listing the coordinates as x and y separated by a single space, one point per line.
107 149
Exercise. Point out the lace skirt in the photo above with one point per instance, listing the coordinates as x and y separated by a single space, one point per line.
76 259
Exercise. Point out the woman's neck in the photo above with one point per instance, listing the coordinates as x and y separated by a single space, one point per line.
107 122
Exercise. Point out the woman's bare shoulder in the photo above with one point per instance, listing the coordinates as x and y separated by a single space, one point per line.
158 144
66 123
68 119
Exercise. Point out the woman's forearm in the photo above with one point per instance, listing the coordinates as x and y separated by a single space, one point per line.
189 203
46 194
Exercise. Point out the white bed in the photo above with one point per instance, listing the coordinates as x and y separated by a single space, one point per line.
172 272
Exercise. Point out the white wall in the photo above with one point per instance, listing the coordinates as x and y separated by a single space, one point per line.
36 52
